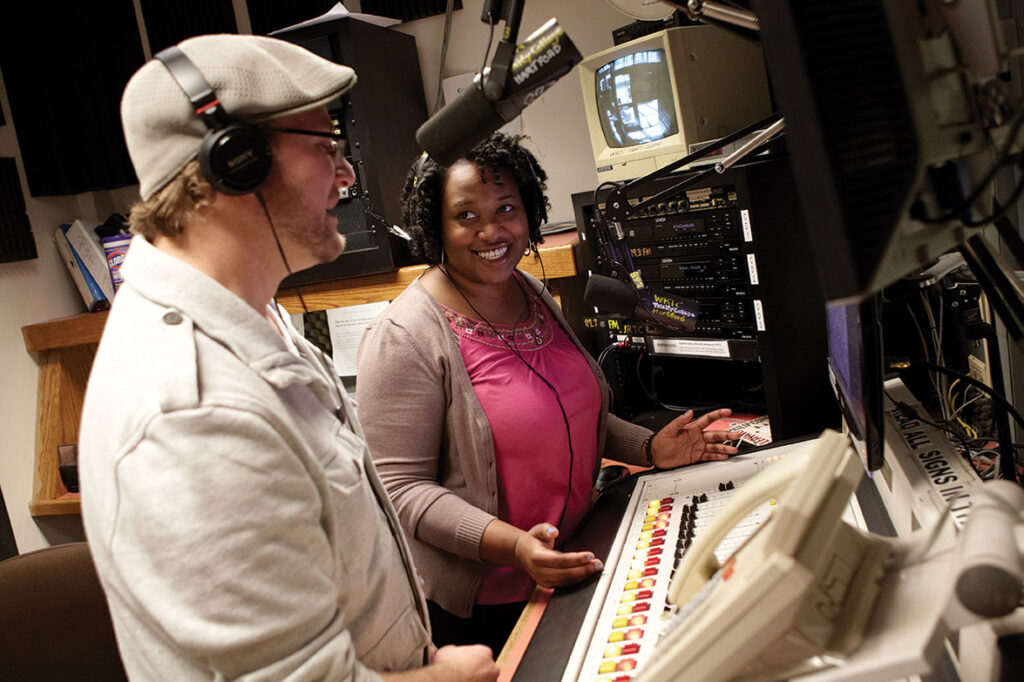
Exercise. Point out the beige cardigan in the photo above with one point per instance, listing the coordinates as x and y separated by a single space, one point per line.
432 444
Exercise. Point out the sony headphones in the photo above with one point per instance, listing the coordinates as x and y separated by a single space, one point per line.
234 157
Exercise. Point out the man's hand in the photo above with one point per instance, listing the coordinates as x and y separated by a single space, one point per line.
535 553
452 663
465 663
684 441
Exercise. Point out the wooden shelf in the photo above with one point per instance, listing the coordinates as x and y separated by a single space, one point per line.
66 348
557 260
63 372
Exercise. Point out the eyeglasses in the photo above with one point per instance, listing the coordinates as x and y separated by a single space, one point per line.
337 149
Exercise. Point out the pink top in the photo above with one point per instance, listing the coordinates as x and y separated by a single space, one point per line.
530 443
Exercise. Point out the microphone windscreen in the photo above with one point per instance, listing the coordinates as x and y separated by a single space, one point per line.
451 132
611 295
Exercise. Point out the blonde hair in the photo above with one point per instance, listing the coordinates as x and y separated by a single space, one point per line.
167 211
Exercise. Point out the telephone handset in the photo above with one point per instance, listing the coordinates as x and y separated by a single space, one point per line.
801 585
699 563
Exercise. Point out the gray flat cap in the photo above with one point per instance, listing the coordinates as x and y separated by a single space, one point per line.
256 78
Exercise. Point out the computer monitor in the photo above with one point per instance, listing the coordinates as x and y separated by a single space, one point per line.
890 111
650 100
855 362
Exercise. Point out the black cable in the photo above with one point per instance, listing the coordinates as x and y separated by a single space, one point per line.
1000 210
909 412
967 379
280 249
597 191
515 351
1008 460
965 205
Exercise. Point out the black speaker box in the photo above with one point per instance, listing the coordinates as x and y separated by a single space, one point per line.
379 118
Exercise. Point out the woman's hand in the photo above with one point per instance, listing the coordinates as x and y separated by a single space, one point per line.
684 441
535 553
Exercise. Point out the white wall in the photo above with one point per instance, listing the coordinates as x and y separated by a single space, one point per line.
41 289
554 123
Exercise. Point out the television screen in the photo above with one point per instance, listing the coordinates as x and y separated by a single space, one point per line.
635 100
855 360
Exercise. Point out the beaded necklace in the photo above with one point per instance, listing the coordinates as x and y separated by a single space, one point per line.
534 334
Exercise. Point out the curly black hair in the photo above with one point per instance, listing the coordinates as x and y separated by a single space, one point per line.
423 194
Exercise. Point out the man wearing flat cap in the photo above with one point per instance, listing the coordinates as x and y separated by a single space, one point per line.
233 512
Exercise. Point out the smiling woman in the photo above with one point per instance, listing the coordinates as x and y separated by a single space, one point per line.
487 476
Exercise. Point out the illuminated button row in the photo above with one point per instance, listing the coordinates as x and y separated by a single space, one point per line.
628 626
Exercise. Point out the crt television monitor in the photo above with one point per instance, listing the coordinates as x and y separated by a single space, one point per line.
855 369
648 101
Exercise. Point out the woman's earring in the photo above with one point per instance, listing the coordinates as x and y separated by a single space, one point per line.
442 257
533 248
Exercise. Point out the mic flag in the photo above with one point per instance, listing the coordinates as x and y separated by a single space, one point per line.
539 61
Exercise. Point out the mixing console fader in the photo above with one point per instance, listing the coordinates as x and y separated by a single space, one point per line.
667 513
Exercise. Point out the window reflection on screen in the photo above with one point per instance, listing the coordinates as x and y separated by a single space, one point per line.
635 99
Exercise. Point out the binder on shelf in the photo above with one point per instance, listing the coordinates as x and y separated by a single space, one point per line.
86 244
91 292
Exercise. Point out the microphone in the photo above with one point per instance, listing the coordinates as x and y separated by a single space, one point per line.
544 57
619 298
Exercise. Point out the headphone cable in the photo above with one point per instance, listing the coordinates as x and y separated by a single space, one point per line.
280 249
515 351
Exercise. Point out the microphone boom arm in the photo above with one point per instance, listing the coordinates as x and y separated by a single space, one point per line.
512 13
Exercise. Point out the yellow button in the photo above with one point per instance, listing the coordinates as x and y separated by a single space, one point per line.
616 636
612 651
623 610
632 585
620 622
607 667
627 597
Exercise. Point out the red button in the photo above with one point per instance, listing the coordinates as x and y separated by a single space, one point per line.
653 561
631 648
657 541
650 571
654 551
644 594
667 500
627 664
658 533
642 606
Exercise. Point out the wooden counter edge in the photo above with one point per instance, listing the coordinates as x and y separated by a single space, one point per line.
64 332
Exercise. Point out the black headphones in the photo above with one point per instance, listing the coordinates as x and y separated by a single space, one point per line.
234 157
